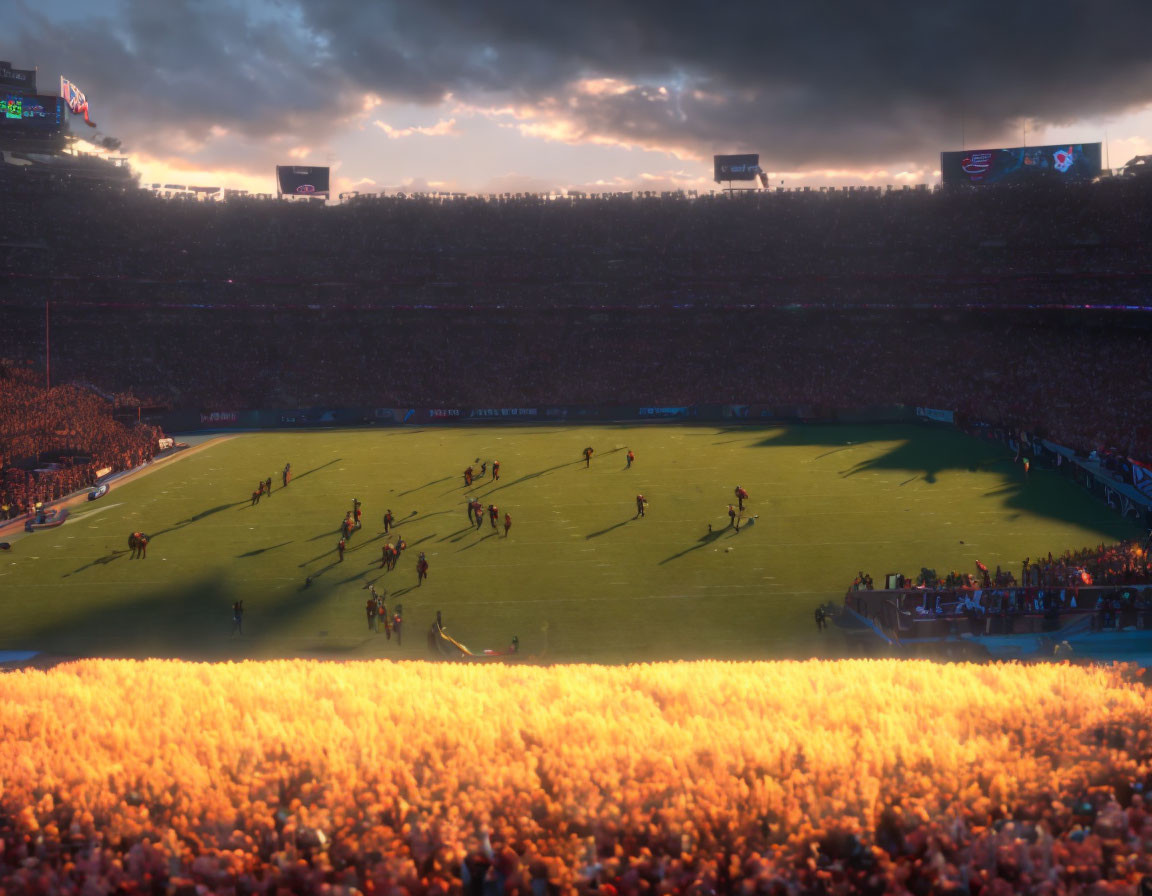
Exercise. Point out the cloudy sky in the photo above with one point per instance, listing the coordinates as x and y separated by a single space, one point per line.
511 95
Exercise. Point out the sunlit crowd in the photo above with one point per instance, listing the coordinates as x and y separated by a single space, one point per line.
54 441
866 776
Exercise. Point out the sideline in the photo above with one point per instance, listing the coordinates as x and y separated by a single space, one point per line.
13 530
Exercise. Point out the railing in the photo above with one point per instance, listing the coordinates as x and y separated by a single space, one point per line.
951 612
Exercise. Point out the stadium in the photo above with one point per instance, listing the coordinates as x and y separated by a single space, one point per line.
764 540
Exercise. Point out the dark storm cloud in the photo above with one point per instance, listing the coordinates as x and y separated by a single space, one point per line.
828 82
808 84
165 73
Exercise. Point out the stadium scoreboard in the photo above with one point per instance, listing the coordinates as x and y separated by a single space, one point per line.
302 180
22 112
741 167
1020 164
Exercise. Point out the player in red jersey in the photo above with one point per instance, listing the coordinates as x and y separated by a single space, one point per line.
495 469
588 452
478 512
631 457
468 477
421 572
741 496
387 521
641 504
507 523
340 546
493 514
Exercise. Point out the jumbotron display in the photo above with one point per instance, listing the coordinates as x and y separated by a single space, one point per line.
19 111
740 167
1018 164
300 180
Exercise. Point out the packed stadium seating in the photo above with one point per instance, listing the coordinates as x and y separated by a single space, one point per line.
1066 244
53 442
416 779
513 301
1074 380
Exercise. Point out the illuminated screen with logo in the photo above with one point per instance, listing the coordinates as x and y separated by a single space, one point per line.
41 113
742 167
298 180
1019 164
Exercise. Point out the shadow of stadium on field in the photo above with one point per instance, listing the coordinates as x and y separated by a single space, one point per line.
926 452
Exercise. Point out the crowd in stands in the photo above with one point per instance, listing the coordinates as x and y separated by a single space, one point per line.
1082 383
1063 244
1111 582
669 780
392 302
1124 563
54 441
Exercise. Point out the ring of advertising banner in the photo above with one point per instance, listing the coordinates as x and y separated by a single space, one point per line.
301 180
1021 164
741 167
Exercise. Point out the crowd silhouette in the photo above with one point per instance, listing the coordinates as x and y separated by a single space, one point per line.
1062 243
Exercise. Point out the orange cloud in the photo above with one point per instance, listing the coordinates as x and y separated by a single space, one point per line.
445 127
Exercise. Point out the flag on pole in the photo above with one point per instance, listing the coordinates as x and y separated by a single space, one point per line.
75 99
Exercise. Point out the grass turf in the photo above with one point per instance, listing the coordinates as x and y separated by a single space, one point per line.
578 578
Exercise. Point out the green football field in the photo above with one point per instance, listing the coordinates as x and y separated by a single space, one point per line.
577 579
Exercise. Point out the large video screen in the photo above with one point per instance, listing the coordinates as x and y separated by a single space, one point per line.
742 167
300 180
40 113
1019 164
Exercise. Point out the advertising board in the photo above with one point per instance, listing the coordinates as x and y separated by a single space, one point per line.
1021 164
738 167
302 180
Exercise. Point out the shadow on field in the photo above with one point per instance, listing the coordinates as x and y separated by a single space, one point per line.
204 514
425 485
313 470
529 476
606 531
317 557
193 621
469 547
324 649
704 541
99 561
258 551
408 519
452 535
928 452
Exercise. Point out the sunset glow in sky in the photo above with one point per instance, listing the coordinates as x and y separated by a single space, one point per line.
538 96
